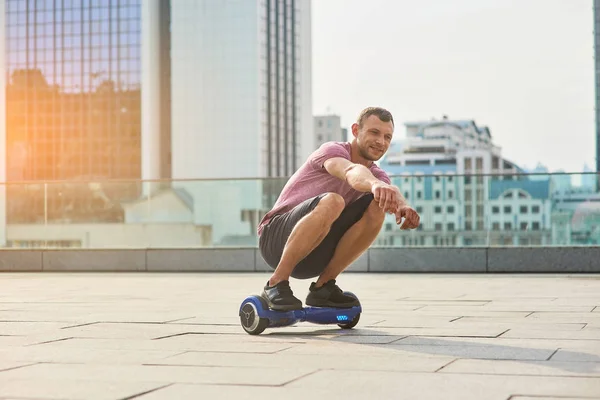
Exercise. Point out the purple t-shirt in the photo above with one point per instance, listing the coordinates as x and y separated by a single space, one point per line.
312 179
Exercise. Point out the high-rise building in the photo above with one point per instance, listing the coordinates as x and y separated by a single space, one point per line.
72 90
328 128
597 80
241 76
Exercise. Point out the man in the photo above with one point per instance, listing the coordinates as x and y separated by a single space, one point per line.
329 213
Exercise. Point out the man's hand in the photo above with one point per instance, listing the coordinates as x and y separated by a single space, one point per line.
411 218
387 196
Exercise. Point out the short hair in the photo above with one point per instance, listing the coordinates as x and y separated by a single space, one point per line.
383 114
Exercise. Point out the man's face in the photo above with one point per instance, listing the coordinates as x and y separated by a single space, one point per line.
374 138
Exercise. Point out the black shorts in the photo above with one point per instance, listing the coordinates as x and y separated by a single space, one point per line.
275 235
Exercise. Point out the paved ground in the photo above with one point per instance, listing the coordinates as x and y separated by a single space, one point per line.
177 336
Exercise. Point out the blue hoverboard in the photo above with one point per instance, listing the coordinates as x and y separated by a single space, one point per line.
255 315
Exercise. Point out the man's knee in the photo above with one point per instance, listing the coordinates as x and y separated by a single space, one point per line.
374 214
332 205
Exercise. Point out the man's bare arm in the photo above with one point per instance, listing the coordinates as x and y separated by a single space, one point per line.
358 176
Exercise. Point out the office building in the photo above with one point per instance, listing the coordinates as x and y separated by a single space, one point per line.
597 81
150 90
466 191
328 128
240 79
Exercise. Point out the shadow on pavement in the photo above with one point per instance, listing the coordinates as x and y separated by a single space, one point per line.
570 360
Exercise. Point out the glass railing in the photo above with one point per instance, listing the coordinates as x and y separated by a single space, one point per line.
456 211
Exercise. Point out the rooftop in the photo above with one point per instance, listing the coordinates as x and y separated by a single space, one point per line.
177 336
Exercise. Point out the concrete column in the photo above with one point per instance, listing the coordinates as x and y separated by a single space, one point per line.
2 124
151 151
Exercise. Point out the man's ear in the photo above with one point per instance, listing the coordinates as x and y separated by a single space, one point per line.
355 128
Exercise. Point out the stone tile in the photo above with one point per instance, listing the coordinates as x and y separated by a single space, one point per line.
521 368
541 334
427 260
74 389
479 331
590 355
94 260
20 260
524 323
494 306
547 259
548 344
384 385
201 260
551 398
492 352
6 364
84 356
389 361
26 328
265 376
574 317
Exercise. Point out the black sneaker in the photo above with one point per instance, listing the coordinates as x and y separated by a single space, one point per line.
280 297
329 295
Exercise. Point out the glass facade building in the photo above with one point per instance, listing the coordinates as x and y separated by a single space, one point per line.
73 89
73 106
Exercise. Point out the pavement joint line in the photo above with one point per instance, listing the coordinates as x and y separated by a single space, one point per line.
146 392
445 365
497 336
587 377
553 353
585 324
177 334
397 340
529 314
49 341
179 319
455 319
300 377
79 325
20 366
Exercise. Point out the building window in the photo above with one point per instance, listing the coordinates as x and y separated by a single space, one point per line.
419 209
73 103
450 209
437 194
438 210
468 164
418 194
524 226
535 209
450 194
507 209
523 209
495 210
479 164
496 226
507 226
451 226
535 226
508 195
438 226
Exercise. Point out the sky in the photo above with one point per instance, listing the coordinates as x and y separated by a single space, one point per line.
524 68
